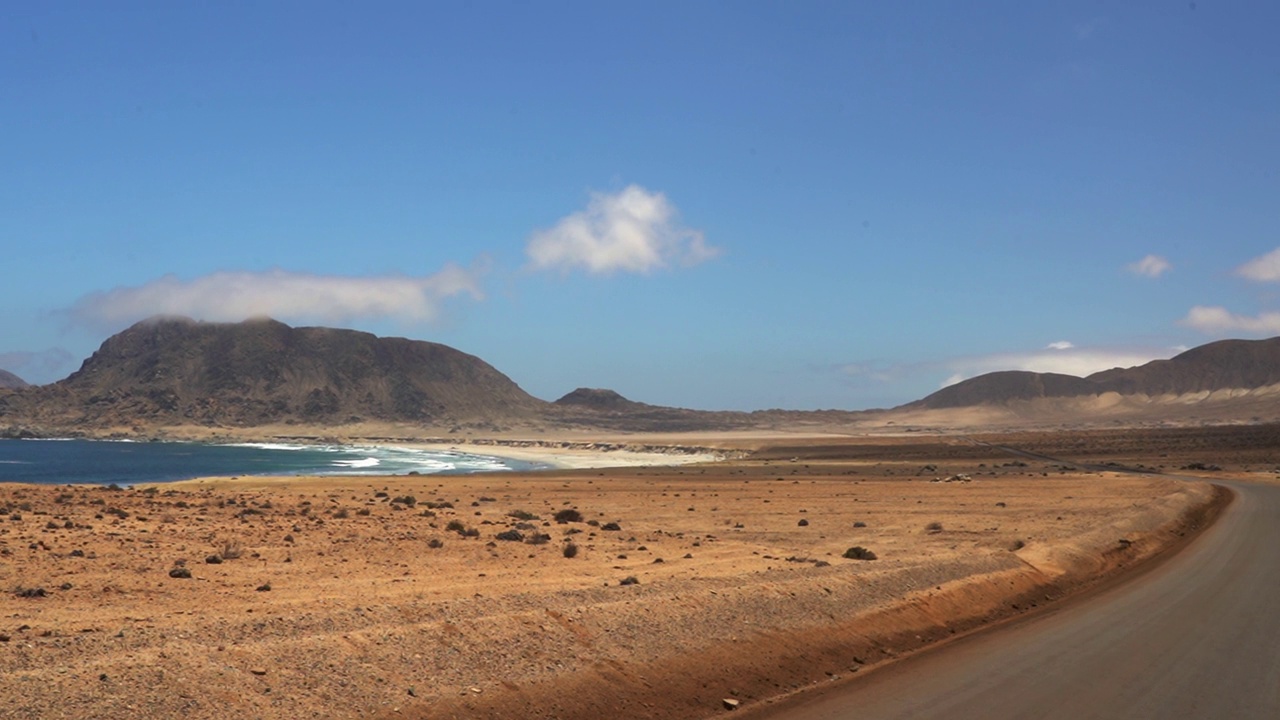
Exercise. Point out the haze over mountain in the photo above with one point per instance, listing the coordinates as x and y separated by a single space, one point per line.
1225 365
9 381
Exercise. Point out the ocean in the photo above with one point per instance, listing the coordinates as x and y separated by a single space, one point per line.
102 462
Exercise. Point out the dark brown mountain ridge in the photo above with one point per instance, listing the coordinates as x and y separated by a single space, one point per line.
1216 366
180 371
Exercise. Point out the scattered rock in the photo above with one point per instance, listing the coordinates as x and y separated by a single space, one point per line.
264 587
259 671
214 559
180 572
730 703
857 552
803 523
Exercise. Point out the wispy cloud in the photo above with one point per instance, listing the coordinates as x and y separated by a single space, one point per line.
634 231
234 296
1265 268
1086 30
1152 266
1217 320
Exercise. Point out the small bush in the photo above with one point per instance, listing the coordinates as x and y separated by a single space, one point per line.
407 500
342 514
933 527
522 515
611 526
857 552
180 572
538 539
568 515
803 523
455 526
859 524
570 550
435 543
510 536
231 550
629 580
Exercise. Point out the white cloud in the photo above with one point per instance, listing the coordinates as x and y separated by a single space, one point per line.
234 296
1219 321
1152 266
1059 357
1265 268
1060 345
633 231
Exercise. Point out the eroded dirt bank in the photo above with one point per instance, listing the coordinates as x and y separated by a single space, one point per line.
353 597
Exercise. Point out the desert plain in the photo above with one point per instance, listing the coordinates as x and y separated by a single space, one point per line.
647 591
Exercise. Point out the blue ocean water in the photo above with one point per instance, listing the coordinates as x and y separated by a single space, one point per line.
125 463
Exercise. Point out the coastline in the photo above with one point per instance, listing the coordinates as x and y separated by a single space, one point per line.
571 456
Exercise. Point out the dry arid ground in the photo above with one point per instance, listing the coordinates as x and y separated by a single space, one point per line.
691 586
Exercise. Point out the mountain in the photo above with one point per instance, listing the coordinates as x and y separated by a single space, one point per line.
9 381
600 399
1226 365
602 408
179 371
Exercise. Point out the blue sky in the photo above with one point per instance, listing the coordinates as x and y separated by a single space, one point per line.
732 205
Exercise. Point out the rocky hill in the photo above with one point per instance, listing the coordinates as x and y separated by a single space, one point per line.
602 408
9 381
180 371
1226 365
599 399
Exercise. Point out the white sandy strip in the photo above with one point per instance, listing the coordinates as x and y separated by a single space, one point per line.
571 458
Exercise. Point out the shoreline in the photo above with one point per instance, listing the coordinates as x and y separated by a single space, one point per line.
571 456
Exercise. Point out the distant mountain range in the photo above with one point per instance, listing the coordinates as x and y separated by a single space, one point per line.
173 371
9 381
170 372
1217 366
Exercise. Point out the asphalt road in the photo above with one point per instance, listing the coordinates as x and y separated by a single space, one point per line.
1197 637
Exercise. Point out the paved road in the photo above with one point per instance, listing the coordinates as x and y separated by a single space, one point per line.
1198 637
